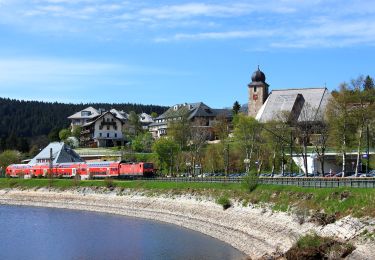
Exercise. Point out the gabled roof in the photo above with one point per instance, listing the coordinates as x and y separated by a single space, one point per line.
145 118
91 113
314 101
191 110
119 114
101 116
60 153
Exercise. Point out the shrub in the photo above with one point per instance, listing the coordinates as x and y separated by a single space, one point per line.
224 201
76 180
314 247
12 183
250 182
21 175
322 218
108 182
307 241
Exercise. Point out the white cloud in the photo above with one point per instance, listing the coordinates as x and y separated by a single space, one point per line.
220 35
195 9
277 23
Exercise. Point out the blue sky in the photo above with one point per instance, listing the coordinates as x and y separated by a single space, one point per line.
168 52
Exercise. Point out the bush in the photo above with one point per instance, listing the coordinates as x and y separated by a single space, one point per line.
322 218
224 201
309 241
76 180
250 182
12 183
108 182
314 247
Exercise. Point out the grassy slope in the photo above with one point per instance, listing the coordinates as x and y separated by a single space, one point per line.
338 201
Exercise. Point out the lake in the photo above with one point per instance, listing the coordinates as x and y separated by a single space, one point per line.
46 233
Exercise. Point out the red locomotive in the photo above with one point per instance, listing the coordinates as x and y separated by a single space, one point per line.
83 169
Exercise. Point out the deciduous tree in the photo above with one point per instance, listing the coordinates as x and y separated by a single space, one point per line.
166 150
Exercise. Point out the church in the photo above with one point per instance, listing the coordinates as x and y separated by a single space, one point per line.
293 106
302 104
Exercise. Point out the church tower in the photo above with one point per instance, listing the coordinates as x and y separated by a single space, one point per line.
258 92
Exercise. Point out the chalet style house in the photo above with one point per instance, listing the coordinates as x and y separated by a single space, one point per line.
103 131
101 128
198 114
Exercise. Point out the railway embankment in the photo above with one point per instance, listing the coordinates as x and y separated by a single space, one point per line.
257 230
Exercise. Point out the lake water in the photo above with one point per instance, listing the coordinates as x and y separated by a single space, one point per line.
45 233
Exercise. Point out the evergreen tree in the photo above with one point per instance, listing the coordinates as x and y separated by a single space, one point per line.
236 108
368 83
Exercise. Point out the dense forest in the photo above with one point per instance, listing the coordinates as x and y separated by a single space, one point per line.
21 121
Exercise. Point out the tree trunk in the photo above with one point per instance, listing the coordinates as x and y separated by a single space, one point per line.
359 150
282 161
273 162
343 164
322 163
343 156
304 155
260 164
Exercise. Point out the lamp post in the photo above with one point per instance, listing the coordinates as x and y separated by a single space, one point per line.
247 163
257 167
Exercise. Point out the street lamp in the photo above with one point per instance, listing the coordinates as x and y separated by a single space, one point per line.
247 163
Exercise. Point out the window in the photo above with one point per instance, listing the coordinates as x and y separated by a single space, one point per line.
107 134
255 89
100 134
115 134
85 113
107 127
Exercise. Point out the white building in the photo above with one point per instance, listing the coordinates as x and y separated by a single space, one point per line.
82 117
103 131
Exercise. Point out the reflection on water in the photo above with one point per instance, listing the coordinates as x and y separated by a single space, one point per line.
44 233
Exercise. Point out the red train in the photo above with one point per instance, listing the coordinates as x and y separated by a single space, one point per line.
83 169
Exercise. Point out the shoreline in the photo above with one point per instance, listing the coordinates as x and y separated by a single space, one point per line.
255 231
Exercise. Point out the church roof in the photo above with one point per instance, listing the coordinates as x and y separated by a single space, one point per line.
303 108
61 153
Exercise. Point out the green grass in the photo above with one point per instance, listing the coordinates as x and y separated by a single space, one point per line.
310 241
315 247
338 201
224 201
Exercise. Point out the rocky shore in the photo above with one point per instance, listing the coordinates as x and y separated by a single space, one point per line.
256 231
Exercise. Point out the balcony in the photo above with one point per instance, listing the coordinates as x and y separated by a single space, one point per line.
103 123
85 131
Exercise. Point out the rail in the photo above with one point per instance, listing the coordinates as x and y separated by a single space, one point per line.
301 182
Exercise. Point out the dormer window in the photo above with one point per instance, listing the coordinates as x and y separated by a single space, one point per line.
85 113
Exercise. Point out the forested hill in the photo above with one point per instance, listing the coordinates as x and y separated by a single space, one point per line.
33 118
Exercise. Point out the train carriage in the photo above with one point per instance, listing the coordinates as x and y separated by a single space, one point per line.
136 169
88 170
102 169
